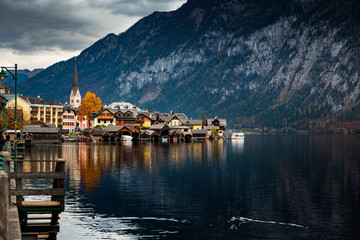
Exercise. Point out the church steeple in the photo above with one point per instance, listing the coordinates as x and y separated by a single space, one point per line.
75 97
75 85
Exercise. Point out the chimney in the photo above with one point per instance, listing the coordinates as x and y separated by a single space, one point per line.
171 112
38 96
126 106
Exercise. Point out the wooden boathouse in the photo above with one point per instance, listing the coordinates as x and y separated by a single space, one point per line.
39 134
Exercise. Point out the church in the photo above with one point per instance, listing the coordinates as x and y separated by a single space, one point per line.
75 96
71 120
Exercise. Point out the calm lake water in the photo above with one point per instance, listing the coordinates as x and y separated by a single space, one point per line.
265 187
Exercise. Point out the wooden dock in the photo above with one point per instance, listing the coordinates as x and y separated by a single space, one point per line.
38 218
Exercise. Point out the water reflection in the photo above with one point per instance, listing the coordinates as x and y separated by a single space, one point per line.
238 145
193 190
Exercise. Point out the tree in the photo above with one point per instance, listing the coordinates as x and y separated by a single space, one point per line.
214 133
203 117
7 119
89 104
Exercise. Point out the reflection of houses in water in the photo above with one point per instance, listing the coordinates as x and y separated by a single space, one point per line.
198 151
147 155
40 153
216 150
70 152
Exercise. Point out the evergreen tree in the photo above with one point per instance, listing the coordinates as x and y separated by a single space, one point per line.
204 120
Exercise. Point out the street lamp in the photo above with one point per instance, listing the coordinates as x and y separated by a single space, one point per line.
3 75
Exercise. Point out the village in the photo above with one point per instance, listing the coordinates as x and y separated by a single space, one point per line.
44 120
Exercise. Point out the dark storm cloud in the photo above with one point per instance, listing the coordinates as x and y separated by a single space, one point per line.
34 25
136 7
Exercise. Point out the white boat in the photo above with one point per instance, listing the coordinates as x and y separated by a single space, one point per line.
237 136
126 138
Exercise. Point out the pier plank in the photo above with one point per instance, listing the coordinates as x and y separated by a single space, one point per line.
28 192
44 204
40 175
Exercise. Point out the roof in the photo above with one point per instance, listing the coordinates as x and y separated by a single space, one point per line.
143 132
174 132
152 115
8 96
130 127
122 105
180 127
32 100
125 118
133 111
221 120
95 114
167 117
199 131
70 108
89 130
40 101
114 111
191 122
159 127
39 129
111 128
181 115
147 131
75 85
98 132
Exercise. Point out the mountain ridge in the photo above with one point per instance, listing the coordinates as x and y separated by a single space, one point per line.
257 63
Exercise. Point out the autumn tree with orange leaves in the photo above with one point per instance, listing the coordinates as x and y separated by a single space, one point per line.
89 104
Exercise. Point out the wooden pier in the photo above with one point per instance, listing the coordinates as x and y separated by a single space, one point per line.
38 208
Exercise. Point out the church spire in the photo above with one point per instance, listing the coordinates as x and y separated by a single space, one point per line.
75 97
75 85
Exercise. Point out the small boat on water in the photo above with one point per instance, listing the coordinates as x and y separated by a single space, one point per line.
237 136
126 138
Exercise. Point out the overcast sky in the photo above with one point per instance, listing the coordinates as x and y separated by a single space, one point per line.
39 33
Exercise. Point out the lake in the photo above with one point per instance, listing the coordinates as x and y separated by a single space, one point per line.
263 187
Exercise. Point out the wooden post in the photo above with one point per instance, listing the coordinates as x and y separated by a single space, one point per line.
18 181
4 205
58 183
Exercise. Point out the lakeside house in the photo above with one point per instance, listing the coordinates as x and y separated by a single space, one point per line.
219 124
193 123
36 109
69 123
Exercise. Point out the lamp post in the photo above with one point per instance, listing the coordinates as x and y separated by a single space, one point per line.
3 75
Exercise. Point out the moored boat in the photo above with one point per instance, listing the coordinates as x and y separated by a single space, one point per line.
237 136
126 138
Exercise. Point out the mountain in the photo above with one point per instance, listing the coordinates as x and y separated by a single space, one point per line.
22 75
279 63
